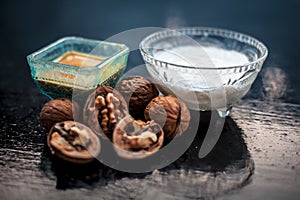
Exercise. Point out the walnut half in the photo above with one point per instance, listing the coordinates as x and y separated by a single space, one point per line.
103 109
73 142
135 139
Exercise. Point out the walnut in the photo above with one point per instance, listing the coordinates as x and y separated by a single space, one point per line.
138 92
135 139
103 109
73 142
171 113
57 110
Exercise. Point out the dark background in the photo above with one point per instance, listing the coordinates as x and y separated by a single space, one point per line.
29 25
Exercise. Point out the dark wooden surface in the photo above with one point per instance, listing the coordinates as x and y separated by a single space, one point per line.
271 132
257 156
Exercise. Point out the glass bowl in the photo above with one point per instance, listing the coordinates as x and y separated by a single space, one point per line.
209 68
100 62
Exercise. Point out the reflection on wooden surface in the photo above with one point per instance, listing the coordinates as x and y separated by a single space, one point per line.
268 131
227 167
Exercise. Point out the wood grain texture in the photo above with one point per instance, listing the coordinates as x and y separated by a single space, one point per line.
272 134
257 156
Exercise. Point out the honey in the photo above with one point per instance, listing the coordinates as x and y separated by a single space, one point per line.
79 59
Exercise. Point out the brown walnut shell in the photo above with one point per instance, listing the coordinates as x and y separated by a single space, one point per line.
73 142
138 92
135 139
56 110
103 109
171 113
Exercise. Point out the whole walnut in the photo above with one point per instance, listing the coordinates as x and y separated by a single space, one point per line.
138 92
103 109
171 113
56 110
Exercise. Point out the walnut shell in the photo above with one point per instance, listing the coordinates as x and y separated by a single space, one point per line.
135 139
73 142
56 110
171 113
103 109
138 92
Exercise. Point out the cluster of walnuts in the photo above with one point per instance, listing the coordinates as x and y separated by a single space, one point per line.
132 116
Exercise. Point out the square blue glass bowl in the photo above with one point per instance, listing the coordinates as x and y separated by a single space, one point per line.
58 80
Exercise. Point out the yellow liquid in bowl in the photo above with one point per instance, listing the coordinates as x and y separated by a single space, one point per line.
79 59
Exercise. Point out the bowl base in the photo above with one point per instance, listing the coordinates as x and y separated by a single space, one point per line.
224 112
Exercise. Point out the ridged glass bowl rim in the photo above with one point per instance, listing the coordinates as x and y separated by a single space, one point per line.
194 31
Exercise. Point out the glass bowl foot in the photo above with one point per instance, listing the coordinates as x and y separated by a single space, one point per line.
224 112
